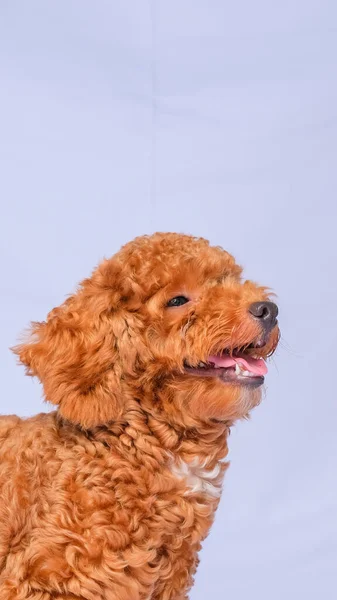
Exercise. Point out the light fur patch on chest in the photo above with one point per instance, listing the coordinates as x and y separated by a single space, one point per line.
199 478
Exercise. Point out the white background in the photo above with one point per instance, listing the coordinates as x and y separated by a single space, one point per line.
218 119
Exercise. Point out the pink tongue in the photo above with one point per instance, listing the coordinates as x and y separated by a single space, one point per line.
254 365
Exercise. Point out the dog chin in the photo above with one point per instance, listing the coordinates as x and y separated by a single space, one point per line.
237 402
233 410
211 399
249 399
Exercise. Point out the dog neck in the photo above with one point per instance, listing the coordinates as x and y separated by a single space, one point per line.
150 438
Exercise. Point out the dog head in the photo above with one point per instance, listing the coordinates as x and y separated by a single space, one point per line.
167 321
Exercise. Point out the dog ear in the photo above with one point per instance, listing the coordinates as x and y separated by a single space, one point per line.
75 353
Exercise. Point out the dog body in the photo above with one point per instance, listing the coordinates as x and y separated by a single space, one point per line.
149 364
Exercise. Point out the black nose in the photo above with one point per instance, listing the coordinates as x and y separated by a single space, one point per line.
266 313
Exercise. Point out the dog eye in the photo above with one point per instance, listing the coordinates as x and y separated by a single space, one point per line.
177 301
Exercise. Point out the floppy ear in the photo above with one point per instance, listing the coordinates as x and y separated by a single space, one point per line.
75 355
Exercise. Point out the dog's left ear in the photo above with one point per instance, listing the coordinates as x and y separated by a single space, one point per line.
75 352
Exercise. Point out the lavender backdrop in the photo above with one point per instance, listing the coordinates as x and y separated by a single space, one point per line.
213 118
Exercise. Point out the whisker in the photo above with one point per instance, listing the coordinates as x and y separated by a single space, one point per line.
274 364
284 344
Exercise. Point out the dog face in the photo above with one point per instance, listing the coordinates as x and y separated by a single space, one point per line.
168 321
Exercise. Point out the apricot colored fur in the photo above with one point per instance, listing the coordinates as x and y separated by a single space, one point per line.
94 502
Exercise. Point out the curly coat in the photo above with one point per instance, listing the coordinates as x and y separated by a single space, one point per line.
110 496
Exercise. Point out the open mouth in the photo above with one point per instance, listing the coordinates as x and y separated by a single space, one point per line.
235 368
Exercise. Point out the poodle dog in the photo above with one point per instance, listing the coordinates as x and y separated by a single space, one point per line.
148 365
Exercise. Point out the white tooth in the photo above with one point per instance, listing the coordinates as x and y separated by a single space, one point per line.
247 374
237 369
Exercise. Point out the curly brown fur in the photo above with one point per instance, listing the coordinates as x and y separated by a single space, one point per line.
110 496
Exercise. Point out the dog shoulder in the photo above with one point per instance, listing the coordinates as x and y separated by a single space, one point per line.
8 425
